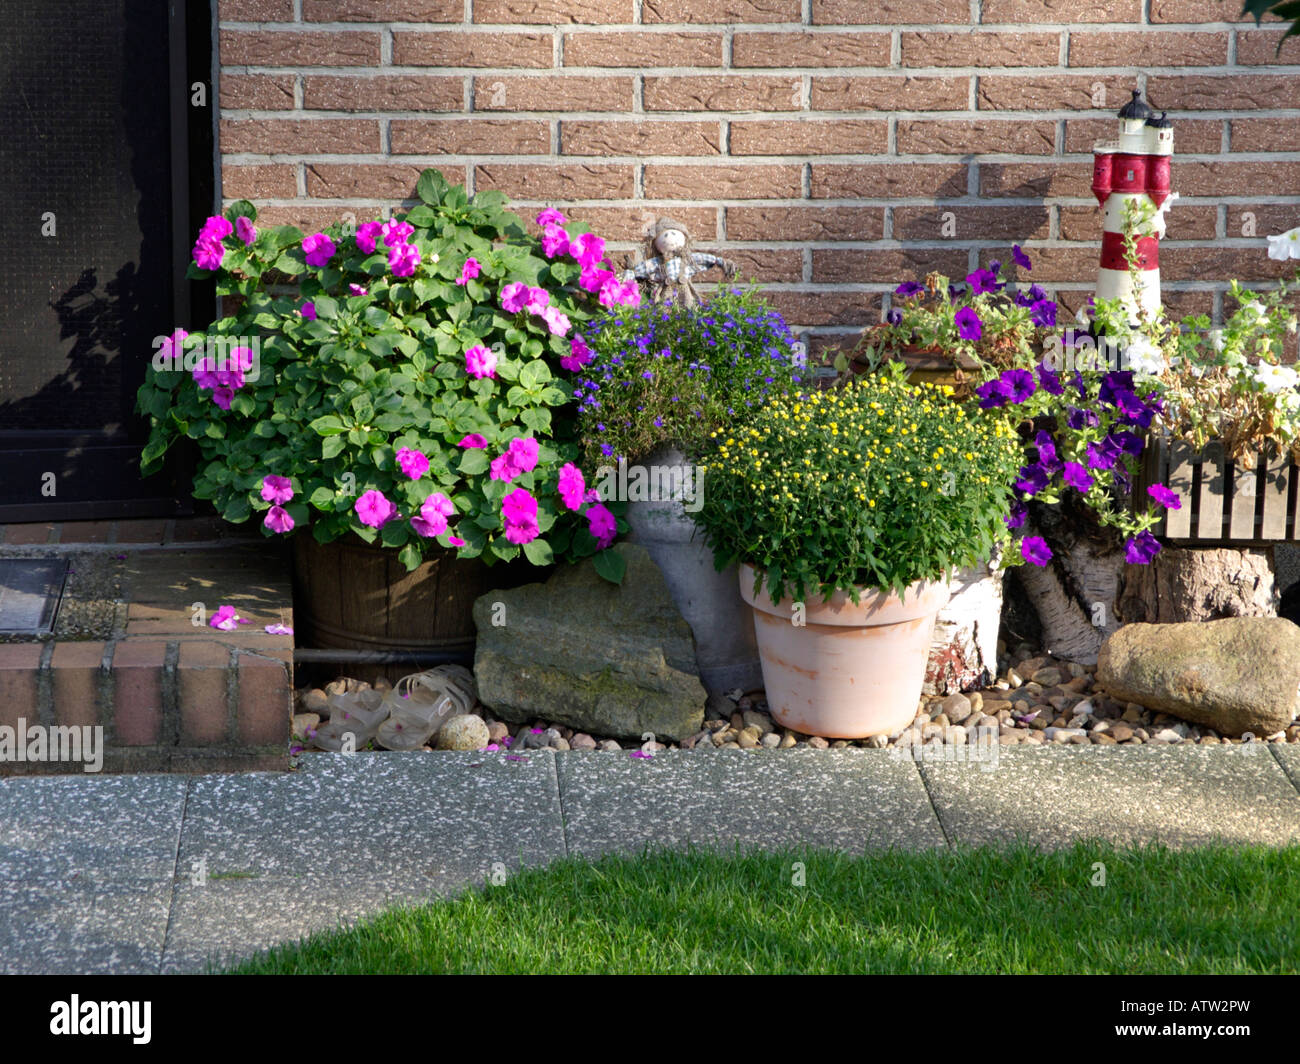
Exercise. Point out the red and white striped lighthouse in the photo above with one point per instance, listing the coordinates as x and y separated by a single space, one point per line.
1134 167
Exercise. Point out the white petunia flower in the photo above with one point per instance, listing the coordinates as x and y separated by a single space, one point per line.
1142 356
1285 245
1276 378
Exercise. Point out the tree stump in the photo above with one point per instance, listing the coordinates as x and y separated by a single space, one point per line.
964 650
1200 584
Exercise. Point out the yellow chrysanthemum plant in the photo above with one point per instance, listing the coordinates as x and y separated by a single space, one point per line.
874 485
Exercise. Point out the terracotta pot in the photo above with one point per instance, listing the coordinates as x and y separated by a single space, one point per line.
850 671
929 365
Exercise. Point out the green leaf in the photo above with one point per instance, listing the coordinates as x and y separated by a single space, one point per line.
328 425
326 307
431 187
611 566
323 499
534 373
421 216
539 552
410 557
333 446
395 533
473 461
242 209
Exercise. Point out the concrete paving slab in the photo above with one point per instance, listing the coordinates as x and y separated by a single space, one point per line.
54 829
851 800
1181 795
72 927
1288 756
438 814
227 920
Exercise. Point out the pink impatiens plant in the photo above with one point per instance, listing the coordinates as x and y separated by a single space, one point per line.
413 387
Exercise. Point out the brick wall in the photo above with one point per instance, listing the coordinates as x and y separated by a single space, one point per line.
821 143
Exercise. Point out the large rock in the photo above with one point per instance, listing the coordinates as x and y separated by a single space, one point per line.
1236 675
580 651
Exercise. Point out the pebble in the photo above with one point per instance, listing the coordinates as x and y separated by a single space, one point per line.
583 741
497 730
315 701
761 721
955 708
1102 739
1084 707
463 732
818 743
610 746
749 739
878 742
788 740
771 740
1167 735
1048 677
303 723
560 743
1065 733
1121 733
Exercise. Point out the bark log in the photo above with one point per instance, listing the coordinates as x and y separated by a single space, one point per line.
964 650
1074 596
1200 584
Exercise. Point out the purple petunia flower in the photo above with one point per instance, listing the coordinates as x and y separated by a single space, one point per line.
1140 549
1034 549
969 326
1102 455
1020 383
1128 442
1047 456
993 394
1077 477
1079 419
909 288
982 281
1020 258
1113 384
1043 313
1170 500
1050 380
1033 479
1016 518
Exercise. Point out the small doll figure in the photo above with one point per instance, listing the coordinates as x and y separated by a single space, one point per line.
668 264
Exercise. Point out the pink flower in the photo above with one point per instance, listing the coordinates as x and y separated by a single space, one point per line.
396 232
519 513
223 397
278 629
434 512
519 457
592 495
480 362
319 249
413 463
308 311
472 440
571 486
403 260
357 290
555 241
537 300
208 253
245 230
588 249
456 541
602 525
217 227
582 354
239 360
613 294
469 271
224 618
367 234
205 375
374 509
513 296
278 519
593 278
276 489
556 321
550 216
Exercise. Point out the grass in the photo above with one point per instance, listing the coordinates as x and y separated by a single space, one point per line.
1215 909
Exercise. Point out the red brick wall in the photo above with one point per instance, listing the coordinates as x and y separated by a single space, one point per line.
818 142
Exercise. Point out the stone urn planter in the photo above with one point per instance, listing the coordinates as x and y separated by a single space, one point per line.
725 648
848 672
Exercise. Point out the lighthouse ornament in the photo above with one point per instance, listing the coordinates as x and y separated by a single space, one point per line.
1132 174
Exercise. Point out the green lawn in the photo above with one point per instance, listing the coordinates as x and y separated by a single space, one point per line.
1216 909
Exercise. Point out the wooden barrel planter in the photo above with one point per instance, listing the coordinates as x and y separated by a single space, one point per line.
351 595
1246 501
